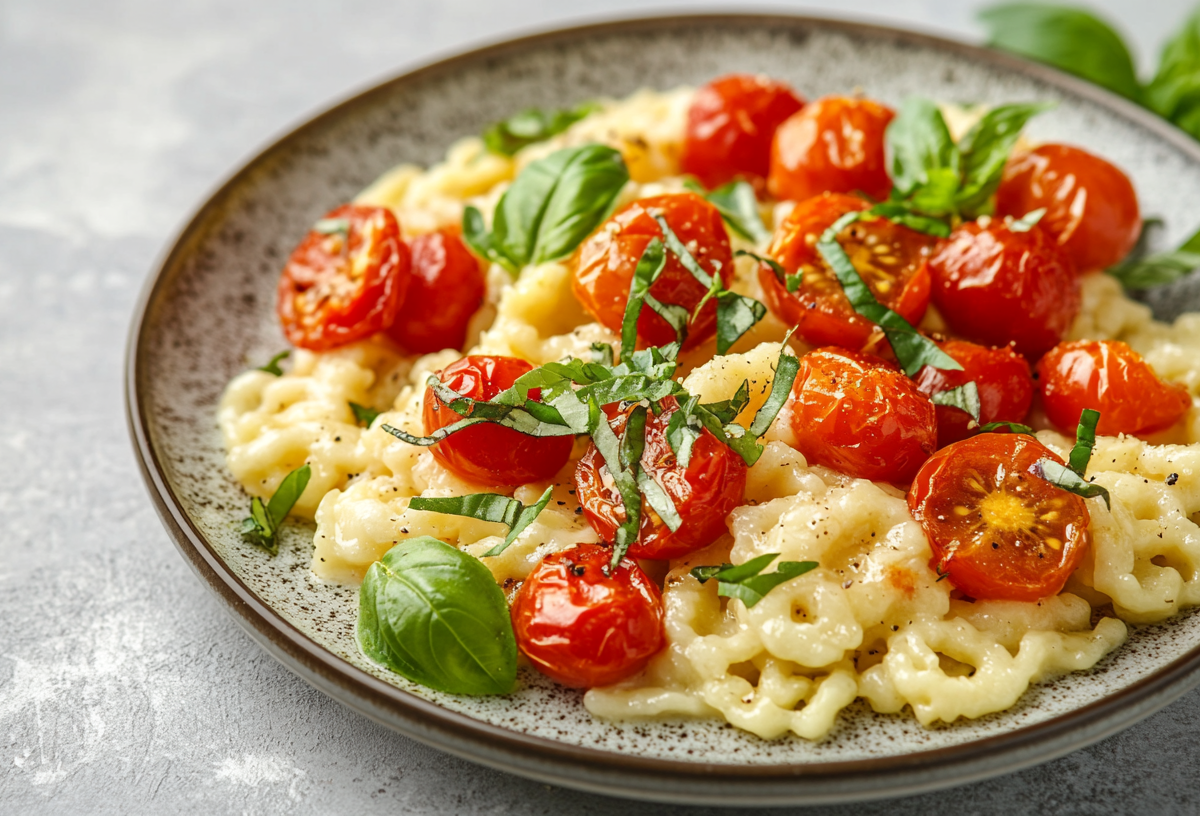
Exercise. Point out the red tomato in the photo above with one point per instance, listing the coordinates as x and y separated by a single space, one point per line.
447 289
1001 377
1091 207
860 415
997 286
487 453
1112 378
730 125
585 626
835 145
890 258
604 265
342 286
704 492
997 530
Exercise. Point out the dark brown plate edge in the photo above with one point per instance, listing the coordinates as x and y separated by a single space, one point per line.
590 769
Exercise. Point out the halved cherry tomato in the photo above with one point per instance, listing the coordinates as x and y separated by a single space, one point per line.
345 284
1112 378
447 289
998 286
1091 207
1000 375
890 258
834 145
604 265
487 453
730 125
860 415
704 493
583 625
999 531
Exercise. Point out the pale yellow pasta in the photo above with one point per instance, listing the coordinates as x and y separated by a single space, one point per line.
872 621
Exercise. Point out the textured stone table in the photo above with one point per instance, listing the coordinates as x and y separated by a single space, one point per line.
124 687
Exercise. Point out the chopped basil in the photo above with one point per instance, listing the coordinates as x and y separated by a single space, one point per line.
602 354
333 226
261 528
1071 478
272 366
965 398
747 582
1011 427
738 206
363 415
658 499
904 215
487 507
550 207
683 430
1085 441
649 267
1027 221
727 410
435 615
532 125
790 282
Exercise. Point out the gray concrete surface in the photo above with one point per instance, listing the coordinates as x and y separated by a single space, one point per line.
124 687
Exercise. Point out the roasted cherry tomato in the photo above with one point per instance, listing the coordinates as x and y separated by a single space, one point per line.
1112 378
487 453
346 282
998 530
1000 375
585 625
889 257
704 492
604 265
860 415
998 286
835 145
730 125
1091 207
447 289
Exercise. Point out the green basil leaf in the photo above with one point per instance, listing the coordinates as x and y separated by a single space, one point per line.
1010 427
1028 221
649 266
738 206
790 282
363 415
633 440
659 500
602 354
965 398
985 150
556 202
739 573
1174 92
272 366
1085 440
903 214
919 144
261 528
939 197
524 519
675 315
704 574
435 615
1159 268
1070 481
681 434
736 315
532 125
681 252
487 507
727 410
781 388
333 226
747 582
484 244
1068 39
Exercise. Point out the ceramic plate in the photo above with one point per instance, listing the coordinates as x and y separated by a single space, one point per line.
208 310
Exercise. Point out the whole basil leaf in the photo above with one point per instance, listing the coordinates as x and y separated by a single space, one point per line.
919 144
556 202
1067 38
985 149
532 125
435 615
1174 92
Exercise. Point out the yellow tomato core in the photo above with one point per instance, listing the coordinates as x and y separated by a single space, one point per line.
1004 511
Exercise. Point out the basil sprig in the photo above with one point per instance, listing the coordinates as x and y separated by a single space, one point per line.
747 582
272 365
1143 271
435 615
363 415
487 507
1071 477
550 208
965 398
261 528
533 125
738 206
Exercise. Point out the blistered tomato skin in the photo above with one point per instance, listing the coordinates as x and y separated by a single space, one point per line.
1091 206
344 285
604 264
447 289
836 145
584 626
730 125
1001 376
486 453
890 258
704 493
996 286
1112 378
998 531
860 415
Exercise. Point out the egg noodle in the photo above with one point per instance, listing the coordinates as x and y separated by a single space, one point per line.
873 621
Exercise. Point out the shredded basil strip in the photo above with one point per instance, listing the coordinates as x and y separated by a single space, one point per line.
727 410
1085 441
790 282
363 415
602 354
904 215
965 398
1070 481
649 267
532 125
272 366
261 528
781 388
487 507
1011 427
683 430
1027 222
747 582
681 252
659 500
738 206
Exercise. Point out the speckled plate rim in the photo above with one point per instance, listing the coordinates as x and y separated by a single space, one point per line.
575 766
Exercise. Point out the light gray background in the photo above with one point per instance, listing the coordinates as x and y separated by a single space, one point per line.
124 687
